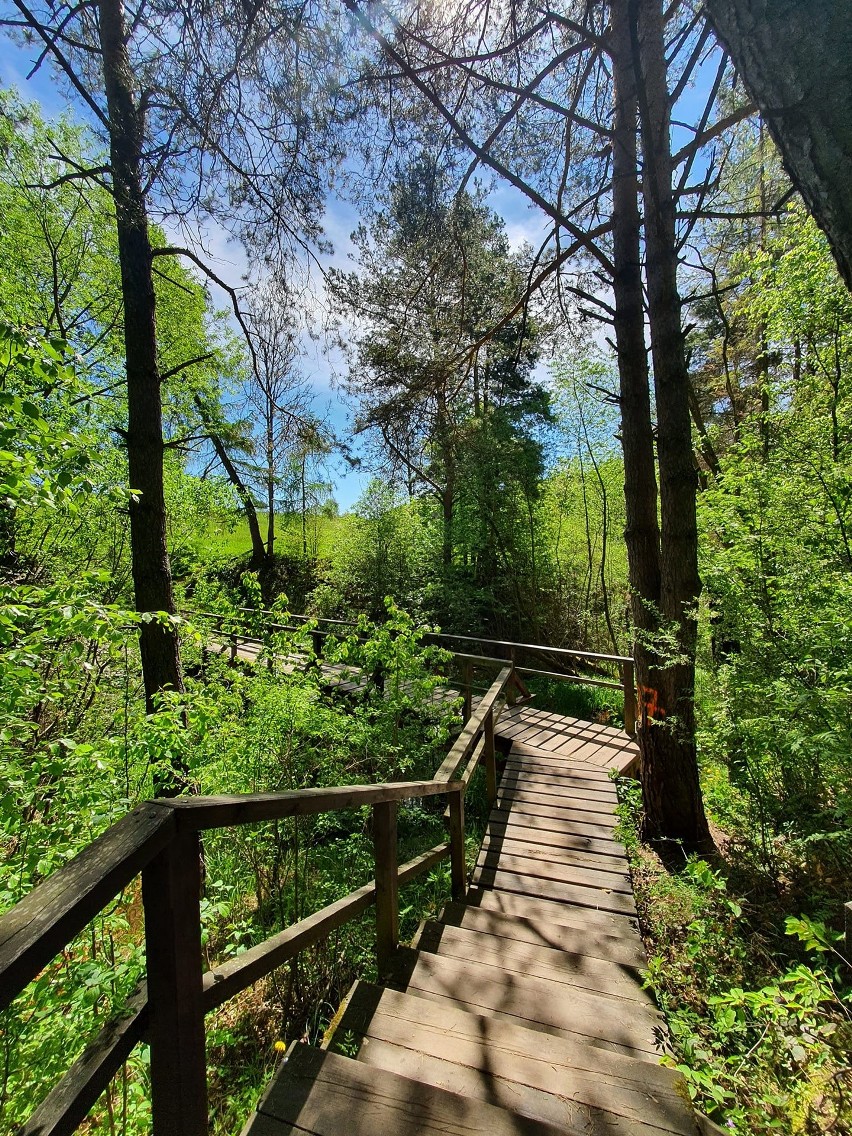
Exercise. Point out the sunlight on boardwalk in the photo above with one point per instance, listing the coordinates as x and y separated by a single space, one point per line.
521 1010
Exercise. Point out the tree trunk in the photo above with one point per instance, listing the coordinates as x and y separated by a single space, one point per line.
672 795
258 549
270 484
796 59
152 581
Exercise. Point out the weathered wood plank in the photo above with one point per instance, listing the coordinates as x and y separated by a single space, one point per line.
387 884
560 785
458 852
171 894
493 846
324 1094
568 820
598 899
504 1084
559 911
68 1104
553 965
543 759
603 1020
38 927
556 839
196 813
537 795
368 1004
533 860
624 948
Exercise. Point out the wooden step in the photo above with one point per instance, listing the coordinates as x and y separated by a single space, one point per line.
575 871
328 1095
624 948
555 819
555 890
506 827
611 1022
540 908
511 796
566 967
544 786
548 759
514 843
575 776
550 794
580 1088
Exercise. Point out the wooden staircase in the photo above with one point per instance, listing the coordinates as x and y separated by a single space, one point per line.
520 1011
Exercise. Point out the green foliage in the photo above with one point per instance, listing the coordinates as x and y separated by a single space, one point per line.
777 562
760 1038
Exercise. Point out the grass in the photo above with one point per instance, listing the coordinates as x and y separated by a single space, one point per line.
228 539
591 703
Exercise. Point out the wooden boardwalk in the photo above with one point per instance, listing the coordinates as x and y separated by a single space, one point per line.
521 1010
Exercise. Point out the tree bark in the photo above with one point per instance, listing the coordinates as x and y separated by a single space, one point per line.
796 59
669 767
152 580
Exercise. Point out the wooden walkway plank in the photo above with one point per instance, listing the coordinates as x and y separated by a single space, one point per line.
602 1020
328 1095
617 903
521 1011
624 948
519 845
583 874
572 968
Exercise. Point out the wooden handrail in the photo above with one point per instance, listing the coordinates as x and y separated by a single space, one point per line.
504 643
160 840
465 742
35 930
197 813
623 662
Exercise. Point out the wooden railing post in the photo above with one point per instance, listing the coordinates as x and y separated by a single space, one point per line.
458 857
489 758
511 688
467 690
171 893
233 647
629 681
387 884
848 928
317 644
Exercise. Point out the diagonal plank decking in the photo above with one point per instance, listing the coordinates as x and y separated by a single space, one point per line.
520 1012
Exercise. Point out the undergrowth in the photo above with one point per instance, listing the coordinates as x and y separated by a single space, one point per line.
758 1001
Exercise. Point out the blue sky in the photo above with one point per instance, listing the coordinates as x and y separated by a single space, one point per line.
322 363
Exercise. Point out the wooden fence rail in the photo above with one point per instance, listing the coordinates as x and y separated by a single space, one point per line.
490 652
160 840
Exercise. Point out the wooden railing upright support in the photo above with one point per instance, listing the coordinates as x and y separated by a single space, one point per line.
233 658
467 690
458 857
387 884
489 758
511 687
847 910
317 645
629 681
171 894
